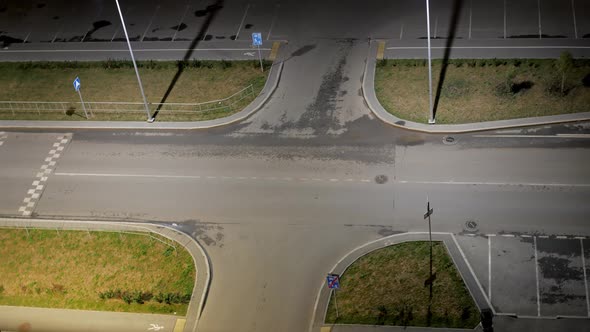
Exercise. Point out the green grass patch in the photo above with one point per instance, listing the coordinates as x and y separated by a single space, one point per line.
386 287
115 81
81 270
482 89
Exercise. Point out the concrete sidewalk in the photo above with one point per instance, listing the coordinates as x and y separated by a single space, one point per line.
381 113
81 320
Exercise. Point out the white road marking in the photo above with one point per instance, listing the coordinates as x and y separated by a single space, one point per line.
543 236
34 194
435 26
472 273
585 277
537 277
401 31
27 37
574 16
249 53
488 235
508 235
585 136
135 50
487 47
242 22
525 235
580 237
181 20
272 22
561 237
470 16
539 11
148 26
504 19
494 183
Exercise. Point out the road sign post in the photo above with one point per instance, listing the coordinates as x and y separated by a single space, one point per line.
77 86
257 41
334 284
429 212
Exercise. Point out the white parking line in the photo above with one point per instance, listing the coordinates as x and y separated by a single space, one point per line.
242 22
490 268
539 11
585 277
537 278
401 31
504 19
149 24
574 16
470 16
272 22
27 37
180 23
435 26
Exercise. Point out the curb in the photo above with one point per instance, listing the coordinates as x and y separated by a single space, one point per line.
368 88
463 267
200 258
267 91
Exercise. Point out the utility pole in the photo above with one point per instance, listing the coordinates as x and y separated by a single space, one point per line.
431 119
150 119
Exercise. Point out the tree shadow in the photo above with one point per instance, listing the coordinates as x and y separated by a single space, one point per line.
457 6
211 11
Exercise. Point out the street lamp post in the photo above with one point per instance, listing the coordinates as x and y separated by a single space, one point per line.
431 109
147 108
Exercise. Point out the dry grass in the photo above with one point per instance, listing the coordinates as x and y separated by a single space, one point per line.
68 269
387 287
470 94
18 82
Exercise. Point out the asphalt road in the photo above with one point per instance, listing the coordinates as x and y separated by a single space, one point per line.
278 198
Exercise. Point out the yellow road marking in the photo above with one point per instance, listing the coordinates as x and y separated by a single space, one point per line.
179 327
274 51
381 50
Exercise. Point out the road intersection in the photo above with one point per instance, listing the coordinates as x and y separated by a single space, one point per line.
278 198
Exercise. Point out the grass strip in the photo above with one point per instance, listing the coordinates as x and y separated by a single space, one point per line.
115 81
386 287
483 89
94 271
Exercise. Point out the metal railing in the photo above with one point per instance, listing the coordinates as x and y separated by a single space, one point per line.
227 104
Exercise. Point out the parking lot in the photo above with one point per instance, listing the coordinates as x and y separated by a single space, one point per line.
183 20
531 275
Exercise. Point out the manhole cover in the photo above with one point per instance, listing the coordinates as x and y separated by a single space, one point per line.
381 179
449 140
471 226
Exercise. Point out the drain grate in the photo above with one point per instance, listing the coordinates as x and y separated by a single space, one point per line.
381 179
449 140
471 226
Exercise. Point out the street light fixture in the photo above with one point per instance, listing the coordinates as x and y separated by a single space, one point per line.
150 119
431 119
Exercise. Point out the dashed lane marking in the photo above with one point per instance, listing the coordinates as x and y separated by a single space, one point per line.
41 178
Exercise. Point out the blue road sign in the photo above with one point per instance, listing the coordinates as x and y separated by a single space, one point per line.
77 84
256 38
333 281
